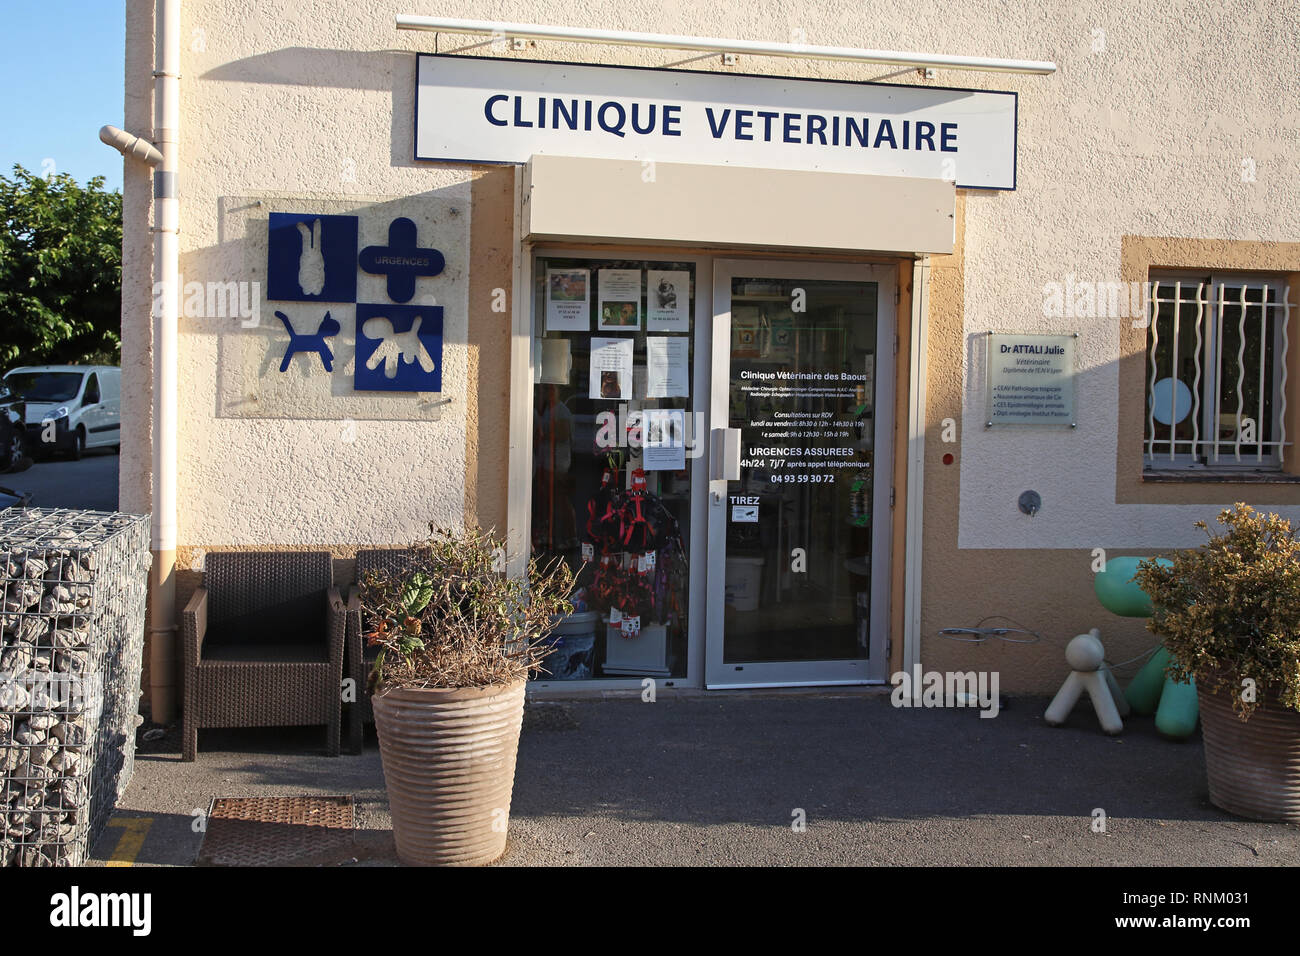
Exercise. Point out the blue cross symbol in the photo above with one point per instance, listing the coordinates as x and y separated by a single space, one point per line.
401 260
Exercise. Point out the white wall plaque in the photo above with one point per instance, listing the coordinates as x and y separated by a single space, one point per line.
1030 379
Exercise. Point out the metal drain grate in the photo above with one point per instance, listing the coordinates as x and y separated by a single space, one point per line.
277 831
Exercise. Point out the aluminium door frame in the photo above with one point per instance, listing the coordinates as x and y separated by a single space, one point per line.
875 670
521 443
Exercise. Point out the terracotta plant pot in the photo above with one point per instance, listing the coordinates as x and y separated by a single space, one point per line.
1253 766
449 764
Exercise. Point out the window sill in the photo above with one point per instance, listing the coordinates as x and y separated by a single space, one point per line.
1205 476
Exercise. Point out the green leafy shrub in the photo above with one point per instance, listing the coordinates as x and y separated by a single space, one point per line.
455 618
1229 611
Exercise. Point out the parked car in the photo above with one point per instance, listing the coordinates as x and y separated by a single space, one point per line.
13 445
70 408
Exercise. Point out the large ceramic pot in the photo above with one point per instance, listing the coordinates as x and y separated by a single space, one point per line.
1253 766
449 763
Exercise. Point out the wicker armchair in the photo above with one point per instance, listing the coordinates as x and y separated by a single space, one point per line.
361 658
263 645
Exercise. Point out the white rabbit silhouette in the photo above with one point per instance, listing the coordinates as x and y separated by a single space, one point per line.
311 262
396 347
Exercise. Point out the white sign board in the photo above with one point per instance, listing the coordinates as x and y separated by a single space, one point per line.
1030 379
485 110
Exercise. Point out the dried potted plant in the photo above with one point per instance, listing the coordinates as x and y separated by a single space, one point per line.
1229 614
458 638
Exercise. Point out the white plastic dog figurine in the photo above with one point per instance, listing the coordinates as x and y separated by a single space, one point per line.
1088 659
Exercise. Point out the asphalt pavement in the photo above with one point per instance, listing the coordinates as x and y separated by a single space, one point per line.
60 482
759 778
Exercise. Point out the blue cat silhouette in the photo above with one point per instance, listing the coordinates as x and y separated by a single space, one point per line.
310 343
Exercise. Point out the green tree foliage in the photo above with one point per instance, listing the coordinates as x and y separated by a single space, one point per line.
60 271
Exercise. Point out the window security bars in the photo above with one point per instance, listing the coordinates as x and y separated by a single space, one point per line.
1217 372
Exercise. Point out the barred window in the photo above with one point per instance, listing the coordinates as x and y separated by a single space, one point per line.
1216 374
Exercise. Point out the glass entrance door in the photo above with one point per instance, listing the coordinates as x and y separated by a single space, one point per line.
799 519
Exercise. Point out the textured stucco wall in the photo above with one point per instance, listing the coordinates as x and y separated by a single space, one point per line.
1145 137
1142 132
280 101
1131 140
1047 590
333 465
135 467
135 463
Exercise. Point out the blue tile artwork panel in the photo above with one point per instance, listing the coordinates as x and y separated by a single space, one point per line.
315 258
312 258
399 348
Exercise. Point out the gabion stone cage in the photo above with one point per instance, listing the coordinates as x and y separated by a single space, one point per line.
73 586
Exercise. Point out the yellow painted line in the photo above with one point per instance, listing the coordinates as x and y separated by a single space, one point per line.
128 848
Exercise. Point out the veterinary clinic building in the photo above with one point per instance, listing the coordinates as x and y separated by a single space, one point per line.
799 350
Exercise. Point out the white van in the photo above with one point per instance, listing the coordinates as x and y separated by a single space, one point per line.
70 407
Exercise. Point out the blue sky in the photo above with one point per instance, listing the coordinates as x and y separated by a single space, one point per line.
61 74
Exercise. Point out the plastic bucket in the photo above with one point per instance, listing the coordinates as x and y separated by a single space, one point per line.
573 648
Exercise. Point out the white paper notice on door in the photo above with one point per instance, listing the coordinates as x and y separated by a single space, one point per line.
557 362
611 368
667 360
663 442
619 300
568 300
668 301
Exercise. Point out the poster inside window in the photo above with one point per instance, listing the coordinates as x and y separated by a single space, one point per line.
613 446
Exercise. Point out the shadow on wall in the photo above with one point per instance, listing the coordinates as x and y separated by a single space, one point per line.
307 66
375 70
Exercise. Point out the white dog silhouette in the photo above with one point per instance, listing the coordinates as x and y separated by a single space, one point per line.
397 346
